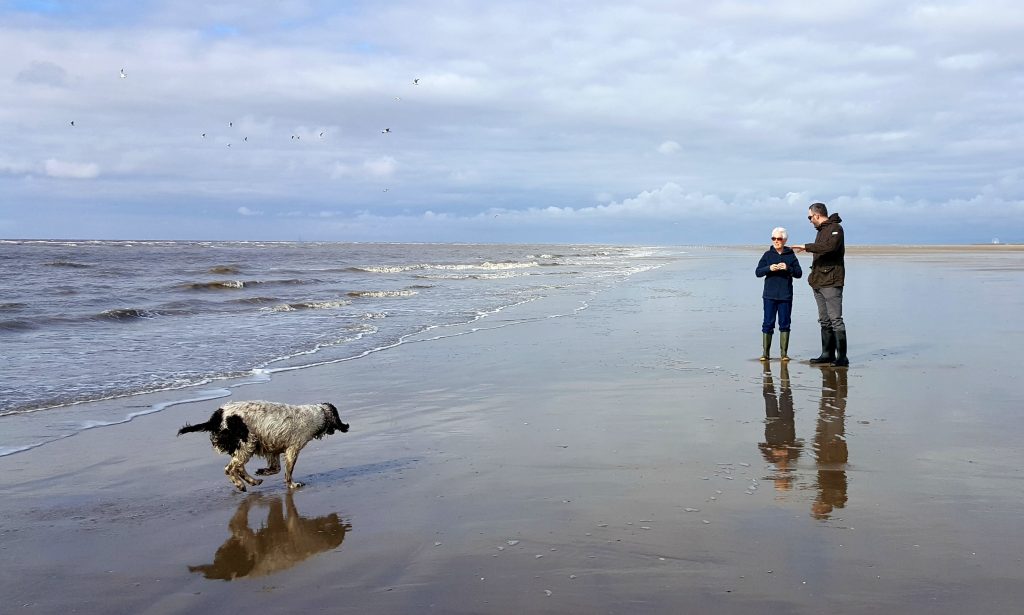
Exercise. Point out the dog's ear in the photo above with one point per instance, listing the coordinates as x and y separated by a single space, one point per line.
329 406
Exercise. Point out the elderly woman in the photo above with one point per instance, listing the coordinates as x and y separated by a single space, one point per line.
778 267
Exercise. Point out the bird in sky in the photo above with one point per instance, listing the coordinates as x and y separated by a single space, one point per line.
385 131
321 135
230 124
124 75
416 81
72 122
204 135
398 98
245 138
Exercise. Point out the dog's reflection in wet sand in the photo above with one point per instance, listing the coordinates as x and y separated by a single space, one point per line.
286 539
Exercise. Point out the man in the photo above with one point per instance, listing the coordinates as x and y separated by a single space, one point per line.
828 274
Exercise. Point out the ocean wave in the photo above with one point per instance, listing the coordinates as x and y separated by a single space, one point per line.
255 300
127 314
446 267
12 306
223 269
67 264
237 284
471 276
17 324
217 285
378 294
308 305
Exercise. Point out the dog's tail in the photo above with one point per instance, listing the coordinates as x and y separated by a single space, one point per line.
212 425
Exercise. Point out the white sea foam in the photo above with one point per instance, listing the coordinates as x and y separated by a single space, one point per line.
308 305
449 267
382 293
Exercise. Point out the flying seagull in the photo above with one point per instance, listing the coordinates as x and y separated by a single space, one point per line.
385 131
230 124
123 74
321 135
72 122
416 81
204 135
245 139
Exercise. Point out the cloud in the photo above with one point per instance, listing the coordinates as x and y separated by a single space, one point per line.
245 211
70 170
383 166
44 73
519 110
668 148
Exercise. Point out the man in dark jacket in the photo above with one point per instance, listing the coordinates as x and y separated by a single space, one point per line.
778 267
828 274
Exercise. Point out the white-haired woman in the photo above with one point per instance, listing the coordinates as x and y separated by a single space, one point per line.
778 267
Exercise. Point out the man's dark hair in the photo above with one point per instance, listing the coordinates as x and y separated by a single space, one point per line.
820 209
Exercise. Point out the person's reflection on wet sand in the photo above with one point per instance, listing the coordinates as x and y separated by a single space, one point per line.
281 543
830 444
780 447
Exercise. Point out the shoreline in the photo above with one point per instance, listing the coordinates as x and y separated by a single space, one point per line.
551 464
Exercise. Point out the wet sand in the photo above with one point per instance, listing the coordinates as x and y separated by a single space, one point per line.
631 457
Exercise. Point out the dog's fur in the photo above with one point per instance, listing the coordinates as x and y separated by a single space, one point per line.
266 429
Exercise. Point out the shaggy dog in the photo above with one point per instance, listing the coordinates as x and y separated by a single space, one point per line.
266 429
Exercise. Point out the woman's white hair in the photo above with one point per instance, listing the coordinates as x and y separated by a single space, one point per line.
778 231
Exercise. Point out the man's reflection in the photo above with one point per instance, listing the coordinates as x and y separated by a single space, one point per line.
280 544
830 444
780 447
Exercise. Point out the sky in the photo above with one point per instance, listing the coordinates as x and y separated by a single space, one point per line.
655 122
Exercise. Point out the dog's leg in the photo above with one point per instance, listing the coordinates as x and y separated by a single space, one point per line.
273 466
238 461
232 475
290 457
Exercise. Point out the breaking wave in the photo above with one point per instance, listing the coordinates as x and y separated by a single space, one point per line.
308 305
377 294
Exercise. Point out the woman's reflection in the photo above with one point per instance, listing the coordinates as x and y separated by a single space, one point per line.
280 544
830 444
780 447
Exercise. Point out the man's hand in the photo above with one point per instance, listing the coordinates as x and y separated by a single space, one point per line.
798 249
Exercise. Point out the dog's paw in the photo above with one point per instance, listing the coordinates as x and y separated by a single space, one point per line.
258 481
294 485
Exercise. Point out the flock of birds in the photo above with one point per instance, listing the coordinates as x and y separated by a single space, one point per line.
385 131
294 136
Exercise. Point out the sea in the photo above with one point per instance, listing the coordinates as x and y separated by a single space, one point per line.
87 321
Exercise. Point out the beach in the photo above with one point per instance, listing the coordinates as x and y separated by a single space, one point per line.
623 453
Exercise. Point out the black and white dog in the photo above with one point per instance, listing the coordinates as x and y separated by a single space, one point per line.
266 429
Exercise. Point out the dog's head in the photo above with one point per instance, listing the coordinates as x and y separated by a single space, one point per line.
334 421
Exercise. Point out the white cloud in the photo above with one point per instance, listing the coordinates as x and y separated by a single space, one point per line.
966 61
245 211
669 147
70 170
384 166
